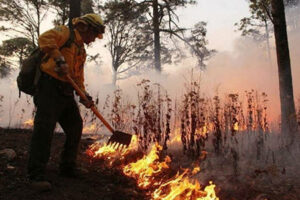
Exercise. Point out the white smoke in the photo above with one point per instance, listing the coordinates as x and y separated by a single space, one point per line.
246 67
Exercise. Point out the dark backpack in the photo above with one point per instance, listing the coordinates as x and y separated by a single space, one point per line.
30 72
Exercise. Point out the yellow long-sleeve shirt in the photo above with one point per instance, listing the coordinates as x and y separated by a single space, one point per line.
75 55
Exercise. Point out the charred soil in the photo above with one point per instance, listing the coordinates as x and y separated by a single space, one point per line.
108 183
99 183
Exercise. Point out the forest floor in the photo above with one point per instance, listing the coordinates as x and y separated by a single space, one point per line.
104 183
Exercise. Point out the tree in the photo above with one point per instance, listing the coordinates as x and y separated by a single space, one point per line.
24 17
274 11
288 113
164 20
17 47
158 33
75 10
128 41
259 23
62 10
20 17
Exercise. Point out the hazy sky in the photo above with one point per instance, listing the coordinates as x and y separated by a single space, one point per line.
220 16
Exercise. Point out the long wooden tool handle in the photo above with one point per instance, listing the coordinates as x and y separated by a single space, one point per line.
93 108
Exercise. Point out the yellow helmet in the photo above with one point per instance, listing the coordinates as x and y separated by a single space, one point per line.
93 20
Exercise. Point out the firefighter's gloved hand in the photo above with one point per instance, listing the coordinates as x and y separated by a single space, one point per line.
61 67
87 103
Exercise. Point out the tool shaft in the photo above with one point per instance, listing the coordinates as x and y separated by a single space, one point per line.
93 108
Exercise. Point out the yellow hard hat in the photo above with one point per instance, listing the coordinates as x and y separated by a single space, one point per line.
93 20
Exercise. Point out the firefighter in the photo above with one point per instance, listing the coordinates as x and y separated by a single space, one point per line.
54 99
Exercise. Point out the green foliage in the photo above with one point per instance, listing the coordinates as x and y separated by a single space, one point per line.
255 25
129 41
259 21
130 25
21 18
171 32
16 47
198 43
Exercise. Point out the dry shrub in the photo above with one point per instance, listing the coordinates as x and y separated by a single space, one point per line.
193 120
153 115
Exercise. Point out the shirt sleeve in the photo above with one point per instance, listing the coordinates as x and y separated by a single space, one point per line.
51 40
80 80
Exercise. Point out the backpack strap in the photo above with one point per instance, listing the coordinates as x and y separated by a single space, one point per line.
67 44
70 40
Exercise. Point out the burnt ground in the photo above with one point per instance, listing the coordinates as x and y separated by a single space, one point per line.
103 183
99 183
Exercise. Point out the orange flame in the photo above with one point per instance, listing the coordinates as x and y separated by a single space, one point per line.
202 131
112 151
28 123
176 138
181 187
236 126
147 169
89 129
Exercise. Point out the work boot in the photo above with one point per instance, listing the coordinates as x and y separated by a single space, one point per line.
40 185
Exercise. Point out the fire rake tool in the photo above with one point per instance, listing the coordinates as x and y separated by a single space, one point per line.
117 136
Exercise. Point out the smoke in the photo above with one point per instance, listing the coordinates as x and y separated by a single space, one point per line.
246 67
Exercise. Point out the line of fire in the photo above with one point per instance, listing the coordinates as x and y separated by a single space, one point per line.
128 100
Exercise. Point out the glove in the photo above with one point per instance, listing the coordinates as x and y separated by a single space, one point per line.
87 103
61 67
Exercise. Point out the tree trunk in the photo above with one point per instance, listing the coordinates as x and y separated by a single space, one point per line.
74 10
268 43
288 113
114 78
156 36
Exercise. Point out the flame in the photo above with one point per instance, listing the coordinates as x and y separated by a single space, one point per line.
28 123
109 149
149 173
196 170
108 152
176 138
181 187
202 131
89 129
147 169
111 152
236 126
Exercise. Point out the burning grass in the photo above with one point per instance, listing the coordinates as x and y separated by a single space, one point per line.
230 131
149 170
151 173
220 132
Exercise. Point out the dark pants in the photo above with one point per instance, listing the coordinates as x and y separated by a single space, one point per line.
55 103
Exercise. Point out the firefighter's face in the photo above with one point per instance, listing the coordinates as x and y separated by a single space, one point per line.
90 35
